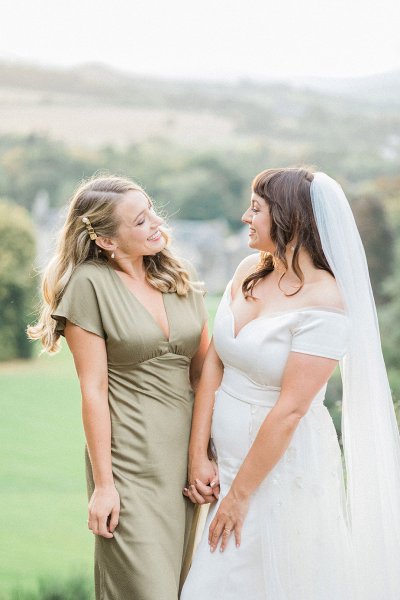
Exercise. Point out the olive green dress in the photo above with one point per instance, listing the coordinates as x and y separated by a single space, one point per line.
150 401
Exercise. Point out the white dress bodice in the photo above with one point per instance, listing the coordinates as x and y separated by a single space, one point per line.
254 360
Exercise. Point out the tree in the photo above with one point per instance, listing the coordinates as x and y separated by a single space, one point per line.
378 238
17 286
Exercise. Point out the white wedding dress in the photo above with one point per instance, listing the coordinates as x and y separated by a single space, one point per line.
295 539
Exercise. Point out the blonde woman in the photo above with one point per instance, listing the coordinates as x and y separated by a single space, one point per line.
136 325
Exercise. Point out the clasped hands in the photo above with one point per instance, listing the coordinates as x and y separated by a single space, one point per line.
203 481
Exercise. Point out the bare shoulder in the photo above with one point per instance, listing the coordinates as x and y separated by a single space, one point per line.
245 267
325 292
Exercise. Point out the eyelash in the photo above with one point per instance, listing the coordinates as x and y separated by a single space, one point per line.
151 208
254 210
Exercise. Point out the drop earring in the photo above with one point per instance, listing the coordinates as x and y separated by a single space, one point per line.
113 255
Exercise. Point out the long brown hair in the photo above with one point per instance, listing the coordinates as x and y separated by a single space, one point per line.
96 199
287 194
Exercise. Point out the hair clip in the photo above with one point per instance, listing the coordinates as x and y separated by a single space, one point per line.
91 231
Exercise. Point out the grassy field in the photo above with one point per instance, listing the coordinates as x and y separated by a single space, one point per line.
42 493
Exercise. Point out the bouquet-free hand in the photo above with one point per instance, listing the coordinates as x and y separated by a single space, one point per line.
229 519
104 507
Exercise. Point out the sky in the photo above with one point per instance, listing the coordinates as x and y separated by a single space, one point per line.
210 39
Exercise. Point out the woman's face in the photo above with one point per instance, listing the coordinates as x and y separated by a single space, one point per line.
138 231
258 219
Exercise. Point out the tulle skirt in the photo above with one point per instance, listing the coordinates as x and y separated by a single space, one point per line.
295 539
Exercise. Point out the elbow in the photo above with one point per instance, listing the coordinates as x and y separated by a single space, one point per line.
292 420
298 412
94 391
294 413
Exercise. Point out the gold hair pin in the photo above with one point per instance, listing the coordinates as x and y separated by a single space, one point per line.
91 231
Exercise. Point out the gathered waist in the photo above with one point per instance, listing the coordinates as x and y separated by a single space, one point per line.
238 385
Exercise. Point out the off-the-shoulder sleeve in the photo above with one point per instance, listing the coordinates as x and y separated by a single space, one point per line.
321 333
79 304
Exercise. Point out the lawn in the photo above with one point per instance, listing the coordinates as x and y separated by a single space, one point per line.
42 493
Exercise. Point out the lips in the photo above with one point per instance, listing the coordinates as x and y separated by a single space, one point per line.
156 236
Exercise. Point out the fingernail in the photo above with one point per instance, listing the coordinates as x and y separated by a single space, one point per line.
221 549
237 545
212 483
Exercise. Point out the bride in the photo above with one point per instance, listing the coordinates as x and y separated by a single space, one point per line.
286 526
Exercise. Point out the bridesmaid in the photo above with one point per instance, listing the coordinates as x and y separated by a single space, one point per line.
134 319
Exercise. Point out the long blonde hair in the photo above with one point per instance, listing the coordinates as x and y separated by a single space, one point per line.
96 199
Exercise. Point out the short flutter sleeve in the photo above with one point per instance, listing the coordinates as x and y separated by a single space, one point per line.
321 333
79 304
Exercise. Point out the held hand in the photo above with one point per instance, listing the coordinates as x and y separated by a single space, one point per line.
229 518
199 493
203 479
104 507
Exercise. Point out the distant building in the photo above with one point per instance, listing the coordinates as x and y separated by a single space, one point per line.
213 249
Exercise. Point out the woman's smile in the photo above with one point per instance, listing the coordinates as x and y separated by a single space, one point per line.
156 236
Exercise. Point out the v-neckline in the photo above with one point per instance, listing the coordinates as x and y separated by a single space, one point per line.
166 338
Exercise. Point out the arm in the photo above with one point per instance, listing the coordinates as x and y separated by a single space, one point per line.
304 376
200 467
196 364
89 352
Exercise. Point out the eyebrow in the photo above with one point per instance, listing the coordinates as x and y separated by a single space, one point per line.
137 216
142 211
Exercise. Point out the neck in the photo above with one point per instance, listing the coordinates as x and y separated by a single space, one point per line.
133 267
305 263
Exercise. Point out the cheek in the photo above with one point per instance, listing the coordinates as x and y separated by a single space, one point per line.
267 226
262 225
134 238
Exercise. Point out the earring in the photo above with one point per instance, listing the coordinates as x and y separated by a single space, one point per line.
113 255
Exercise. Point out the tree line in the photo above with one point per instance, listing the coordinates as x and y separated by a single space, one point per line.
185 184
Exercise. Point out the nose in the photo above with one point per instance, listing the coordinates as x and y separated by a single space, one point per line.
247 217
157 220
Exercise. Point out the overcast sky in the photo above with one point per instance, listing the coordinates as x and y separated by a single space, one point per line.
217 39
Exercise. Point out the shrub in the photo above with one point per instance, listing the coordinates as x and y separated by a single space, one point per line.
17 286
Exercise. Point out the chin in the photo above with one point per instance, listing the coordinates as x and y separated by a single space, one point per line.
254 246
158 248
